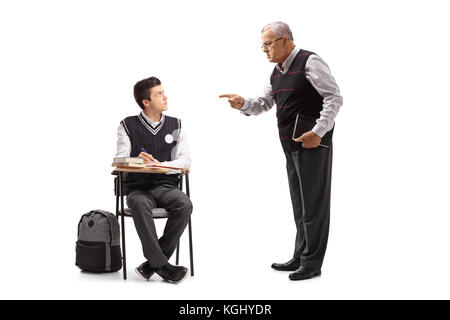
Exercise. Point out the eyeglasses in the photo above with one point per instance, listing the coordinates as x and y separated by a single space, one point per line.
269 43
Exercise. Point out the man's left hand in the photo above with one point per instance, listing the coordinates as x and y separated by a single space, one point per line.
309 139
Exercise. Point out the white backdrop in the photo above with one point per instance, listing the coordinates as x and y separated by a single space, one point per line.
67 69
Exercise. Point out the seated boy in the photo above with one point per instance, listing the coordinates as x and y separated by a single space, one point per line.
156 138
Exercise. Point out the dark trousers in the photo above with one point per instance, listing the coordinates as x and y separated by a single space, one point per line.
158 251
309 175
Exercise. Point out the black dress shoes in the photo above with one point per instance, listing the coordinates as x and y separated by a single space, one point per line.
171 273
304 273
145 271
291 265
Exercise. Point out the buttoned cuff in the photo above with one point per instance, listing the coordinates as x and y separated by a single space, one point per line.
320 131
244 106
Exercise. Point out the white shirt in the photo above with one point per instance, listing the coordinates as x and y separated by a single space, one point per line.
319 75
182 153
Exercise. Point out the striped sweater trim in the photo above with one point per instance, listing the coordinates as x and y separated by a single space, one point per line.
125 127
147 125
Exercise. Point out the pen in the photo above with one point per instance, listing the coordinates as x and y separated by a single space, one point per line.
143 150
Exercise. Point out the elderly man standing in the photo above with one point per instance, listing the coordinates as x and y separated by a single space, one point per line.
305 92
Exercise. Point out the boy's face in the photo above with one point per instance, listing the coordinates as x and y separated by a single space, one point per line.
158 100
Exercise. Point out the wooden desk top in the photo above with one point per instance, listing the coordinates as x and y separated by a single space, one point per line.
141 170
147 170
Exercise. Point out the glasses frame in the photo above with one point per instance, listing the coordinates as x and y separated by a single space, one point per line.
269 43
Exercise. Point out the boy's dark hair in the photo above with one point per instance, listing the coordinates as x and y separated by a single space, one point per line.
142 90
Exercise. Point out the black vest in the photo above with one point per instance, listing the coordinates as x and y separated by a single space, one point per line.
294 94
160 142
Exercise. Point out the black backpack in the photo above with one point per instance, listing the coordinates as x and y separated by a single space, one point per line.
98 245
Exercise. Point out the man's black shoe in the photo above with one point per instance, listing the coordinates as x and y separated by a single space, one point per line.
145 271
171 273
291 265
304 273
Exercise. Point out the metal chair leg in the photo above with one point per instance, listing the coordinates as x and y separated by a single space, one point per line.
178 253
124 256
180 186
190 248
116 181
191 253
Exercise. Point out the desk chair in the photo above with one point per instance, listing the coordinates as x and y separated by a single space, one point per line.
158 213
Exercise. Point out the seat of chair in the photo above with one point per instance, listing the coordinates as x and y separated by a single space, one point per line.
157 213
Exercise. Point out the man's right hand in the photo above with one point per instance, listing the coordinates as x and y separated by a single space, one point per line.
236 101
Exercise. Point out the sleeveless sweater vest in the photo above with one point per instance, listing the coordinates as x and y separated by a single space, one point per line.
294 94
160 142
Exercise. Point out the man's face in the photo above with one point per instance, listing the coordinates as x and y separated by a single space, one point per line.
158 100
273 46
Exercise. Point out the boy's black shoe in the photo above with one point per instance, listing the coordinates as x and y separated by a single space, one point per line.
171 273
145 271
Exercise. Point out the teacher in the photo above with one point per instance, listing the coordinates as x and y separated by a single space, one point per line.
303 88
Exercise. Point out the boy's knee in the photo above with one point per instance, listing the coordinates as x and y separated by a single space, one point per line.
137 199
186 205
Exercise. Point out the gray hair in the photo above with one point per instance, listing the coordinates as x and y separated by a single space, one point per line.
280 29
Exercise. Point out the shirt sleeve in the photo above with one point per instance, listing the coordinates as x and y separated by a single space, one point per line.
318 74
123 143
182 158
258 105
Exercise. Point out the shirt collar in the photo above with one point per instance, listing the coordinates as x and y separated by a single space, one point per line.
287 63
150 121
